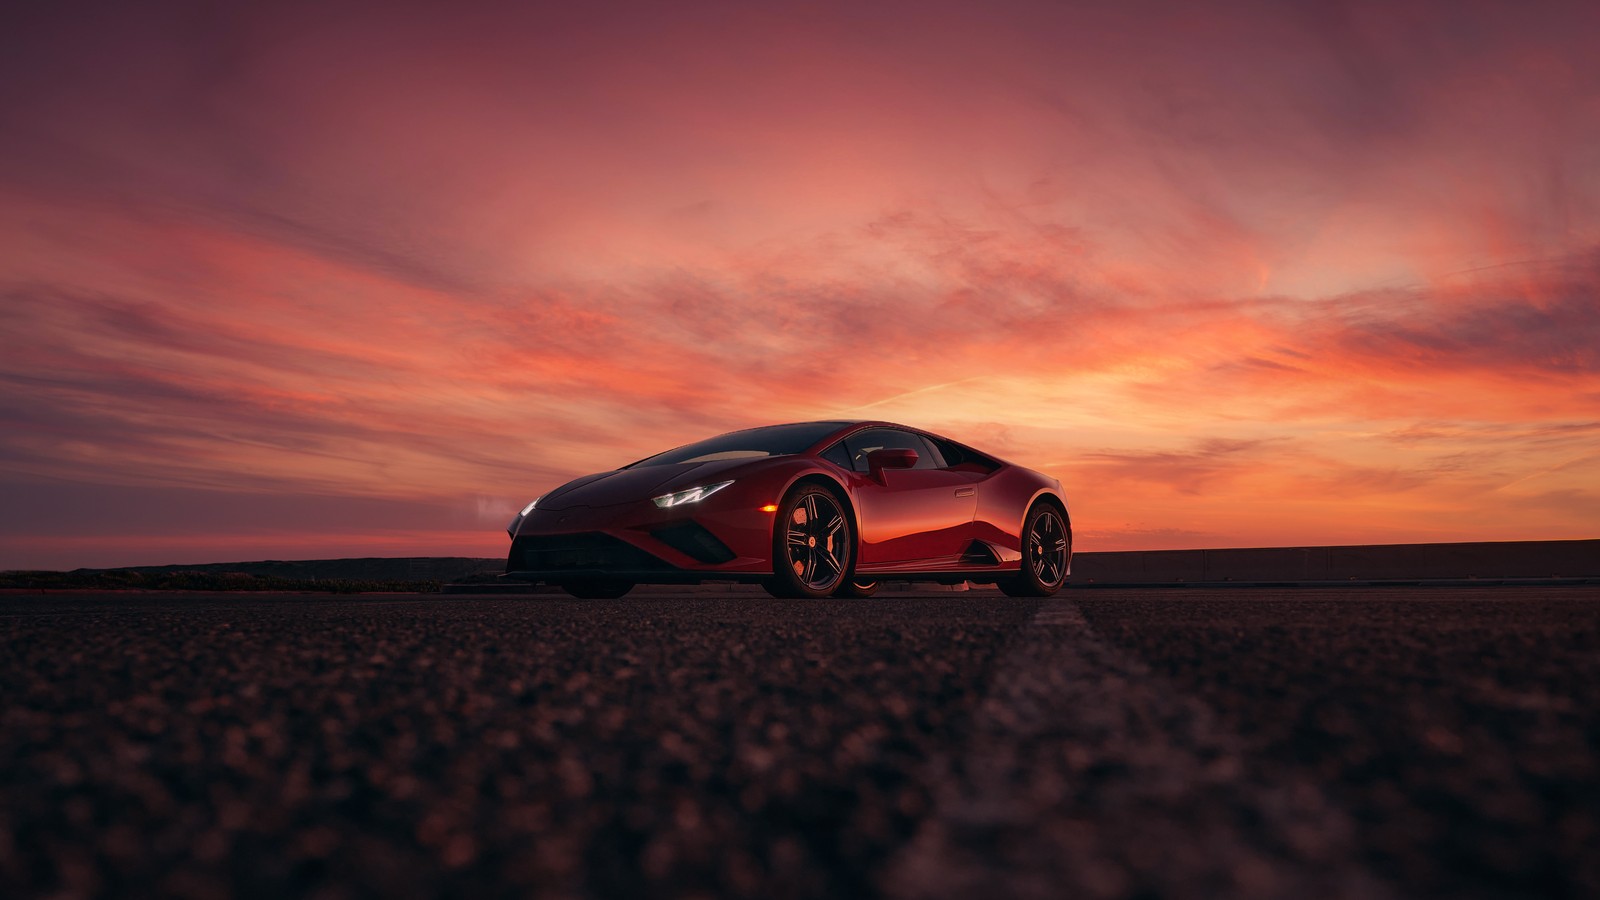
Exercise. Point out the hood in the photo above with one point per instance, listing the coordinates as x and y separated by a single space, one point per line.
634 485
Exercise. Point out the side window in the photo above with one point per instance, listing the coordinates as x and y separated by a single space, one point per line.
859 445
837 455
935 453
964 459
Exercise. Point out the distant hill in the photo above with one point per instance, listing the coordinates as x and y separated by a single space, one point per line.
421 573
366 568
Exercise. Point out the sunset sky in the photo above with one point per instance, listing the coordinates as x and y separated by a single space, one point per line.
307 280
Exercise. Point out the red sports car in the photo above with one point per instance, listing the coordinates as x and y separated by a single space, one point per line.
813 509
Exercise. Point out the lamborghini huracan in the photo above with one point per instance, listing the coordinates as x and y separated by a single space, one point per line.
812 509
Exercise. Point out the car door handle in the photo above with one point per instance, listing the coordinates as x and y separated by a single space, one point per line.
966 492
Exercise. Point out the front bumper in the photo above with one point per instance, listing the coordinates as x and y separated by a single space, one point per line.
642 543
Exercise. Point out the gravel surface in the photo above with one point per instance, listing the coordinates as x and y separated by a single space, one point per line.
1460 729
1110 743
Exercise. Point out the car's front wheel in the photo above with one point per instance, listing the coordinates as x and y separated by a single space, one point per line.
1046 547
597 590
812 544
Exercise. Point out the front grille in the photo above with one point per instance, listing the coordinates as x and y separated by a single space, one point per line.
566 552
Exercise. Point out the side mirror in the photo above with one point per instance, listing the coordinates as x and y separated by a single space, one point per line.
890 458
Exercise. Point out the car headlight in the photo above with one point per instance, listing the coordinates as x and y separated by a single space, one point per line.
692 495
512 528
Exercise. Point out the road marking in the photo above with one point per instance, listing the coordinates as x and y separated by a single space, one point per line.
1087 774
1057 612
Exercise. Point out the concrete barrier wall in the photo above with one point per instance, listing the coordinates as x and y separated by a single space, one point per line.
1499 559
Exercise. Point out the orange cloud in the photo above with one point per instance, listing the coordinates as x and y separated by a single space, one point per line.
1309 279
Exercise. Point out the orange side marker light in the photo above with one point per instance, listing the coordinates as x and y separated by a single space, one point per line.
770 507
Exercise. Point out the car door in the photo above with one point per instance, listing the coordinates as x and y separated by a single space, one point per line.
920 514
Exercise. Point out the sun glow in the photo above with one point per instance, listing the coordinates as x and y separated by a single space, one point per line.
1229 296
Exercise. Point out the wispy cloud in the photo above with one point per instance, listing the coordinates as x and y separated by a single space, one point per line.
1311 278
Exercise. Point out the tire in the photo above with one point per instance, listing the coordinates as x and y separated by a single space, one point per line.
857 589
813 544
1046 549
597 590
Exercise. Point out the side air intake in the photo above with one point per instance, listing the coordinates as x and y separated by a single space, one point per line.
690 539
979 553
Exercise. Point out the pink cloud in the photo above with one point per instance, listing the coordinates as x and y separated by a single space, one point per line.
1186 258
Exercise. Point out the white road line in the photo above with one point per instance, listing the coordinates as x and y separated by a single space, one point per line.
1088 775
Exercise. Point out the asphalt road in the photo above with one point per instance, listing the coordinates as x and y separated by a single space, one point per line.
1109 743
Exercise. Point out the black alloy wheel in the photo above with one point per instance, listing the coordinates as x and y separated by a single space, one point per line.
1045 551
597 590
813 545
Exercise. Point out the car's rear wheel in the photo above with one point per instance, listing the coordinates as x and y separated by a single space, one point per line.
812 544
1045 551
598 589
857 588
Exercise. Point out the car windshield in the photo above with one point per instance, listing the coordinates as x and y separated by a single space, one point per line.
774 440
